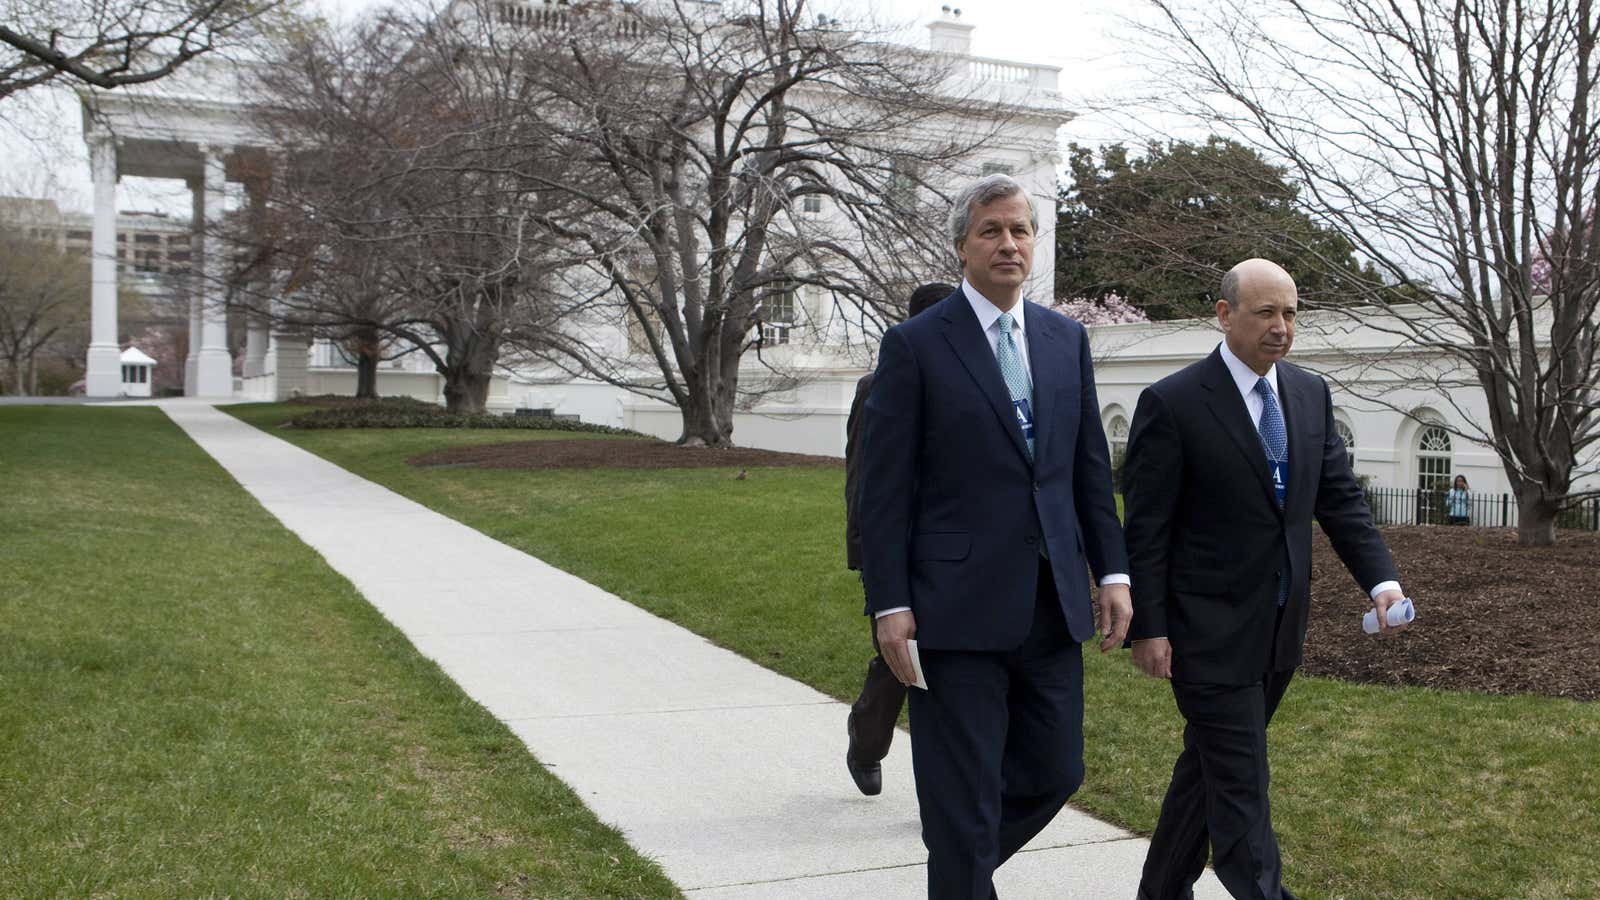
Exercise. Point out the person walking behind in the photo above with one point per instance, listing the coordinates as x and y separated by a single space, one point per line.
870 726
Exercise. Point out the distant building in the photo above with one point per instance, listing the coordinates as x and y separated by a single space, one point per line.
152 248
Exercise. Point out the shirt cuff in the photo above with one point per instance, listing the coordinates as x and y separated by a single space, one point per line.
1384 586
1116 578
889 612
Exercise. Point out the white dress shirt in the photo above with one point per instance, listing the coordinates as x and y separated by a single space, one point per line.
988 316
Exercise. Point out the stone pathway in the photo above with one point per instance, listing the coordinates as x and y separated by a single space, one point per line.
727 774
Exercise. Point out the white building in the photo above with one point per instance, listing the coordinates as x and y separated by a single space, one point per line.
195 126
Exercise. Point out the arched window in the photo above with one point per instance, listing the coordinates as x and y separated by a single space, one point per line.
1433 474
1349 438
1117 436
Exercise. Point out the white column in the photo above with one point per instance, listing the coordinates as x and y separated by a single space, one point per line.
197 278
213 364
257 336
292 353
255 347
103 368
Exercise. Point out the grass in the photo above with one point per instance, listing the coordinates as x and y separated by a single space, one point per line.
196 705
1378 792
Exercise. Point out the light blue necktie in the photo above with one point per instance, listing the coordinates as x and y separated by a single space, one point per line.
1275 441
1015 373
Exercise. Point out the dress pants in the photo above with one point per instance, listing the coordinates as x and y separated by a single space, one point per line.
873 715
997 745
1218 795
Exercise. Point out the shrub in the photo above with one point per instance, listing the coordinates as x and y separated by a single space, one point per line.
406 412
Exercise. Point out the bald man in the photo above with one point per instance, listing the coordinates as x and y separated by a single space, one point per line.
1229 461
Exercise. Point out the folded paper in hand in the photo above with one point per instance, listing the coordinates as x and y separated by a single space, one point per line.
916 664
1400 613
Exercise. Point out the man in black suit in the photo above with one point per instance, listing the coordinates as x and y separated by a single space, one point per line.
870 726
1229 460
985 498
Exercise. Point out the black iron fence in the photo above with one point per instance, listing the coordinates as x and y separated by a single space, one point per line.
1404 506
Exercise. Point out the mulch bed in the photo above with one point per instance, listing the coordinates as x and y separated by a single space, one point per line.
1492 616
612 455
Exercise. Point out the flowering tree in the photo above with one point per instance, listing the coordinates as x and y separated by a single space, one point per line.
1111 309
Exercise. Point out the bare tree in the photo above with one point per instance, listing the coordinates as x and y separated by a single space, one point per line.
41 298
1455 142
395 215
112 43
723 163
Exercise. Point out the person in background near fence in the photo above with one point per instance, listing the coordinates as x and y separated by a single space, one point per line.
1458 502
871 723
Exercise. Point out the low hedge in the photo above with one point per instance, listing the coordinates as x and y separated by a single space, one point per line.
405 412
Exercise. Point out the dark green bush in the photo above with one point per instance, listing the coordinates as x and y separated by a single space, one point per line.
405 412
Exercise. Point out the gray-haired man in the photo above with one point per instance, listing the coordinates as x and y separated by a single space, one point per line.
985 495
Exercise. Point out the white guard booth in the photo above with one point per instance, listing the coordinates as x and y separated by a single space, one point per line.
137 371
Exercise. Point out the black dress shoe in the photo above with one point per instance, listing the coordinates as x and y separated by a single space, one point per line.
867 776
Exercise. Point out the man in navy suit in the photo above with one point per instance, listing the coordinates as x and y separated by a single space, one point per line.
1229 460
985 496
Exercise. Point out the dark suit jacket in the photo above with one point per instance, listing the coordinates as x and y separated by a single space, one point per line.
852 472
1206 537
951 511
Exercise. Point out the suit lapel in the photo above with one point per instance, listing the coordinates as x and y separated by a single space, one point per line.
971 346
1298 409
1229 409
1047 357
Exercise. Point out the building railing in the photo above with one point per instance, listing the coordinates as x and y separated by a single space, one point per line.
1006 71
1409 506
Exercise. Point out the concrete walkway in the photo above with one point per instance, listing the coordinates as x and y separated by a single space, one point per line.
727 774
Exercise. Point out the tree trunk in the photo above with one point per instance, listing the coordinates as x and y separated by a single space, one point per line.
365 346
468 370
707 416
1536 516
466 391
366 376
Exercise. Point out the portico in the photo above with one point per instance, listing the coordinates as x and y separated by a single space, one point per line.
191 127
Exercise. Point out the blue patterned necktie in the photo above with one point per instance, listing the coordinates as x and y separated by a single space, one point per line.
1016 376
1274 438
1275 441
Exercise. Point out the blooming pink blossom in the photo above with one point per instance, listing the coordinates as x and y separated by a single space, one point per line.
1111 309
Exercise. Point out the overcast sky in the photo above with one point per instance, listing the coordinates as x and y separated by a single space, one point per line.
1081 37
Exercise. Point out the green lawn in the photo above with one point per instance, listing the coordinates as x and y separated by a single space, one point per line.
1378 792
196 705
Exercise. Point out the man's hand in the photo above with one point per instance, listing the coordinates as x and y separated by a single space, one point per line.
893 632
1113 614
1153 657
1383 602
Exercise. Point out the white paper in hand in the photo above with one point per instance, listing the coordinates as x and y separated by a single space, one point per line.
1400 613
916 664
